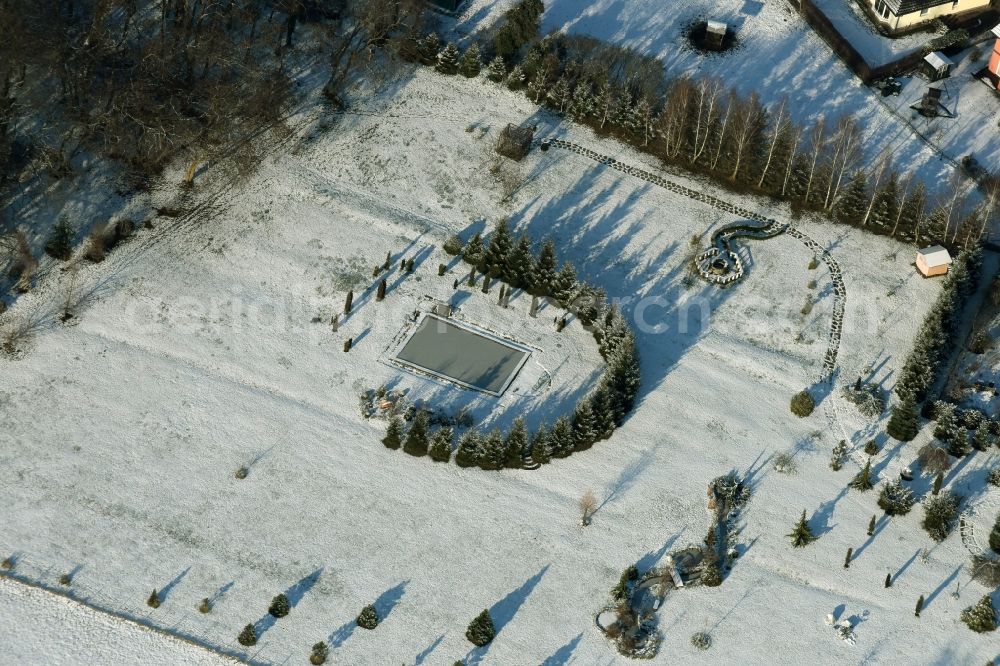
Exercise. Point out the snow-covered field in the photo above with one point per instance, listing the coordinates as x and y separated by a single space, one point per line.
778 56
193 351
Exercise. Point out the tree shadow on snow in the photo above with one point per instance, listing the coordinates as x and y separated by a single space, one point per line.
562 656
504 611
169 587
426 652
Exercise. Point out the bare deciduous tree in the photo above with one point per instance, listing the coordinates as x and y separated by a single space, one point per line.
588 504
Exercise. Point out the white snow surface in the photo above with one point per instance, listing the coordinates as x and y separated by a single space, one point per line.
193 352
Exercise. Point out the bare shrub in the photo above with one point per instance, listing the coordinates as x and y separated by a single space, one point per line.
587 504
934 459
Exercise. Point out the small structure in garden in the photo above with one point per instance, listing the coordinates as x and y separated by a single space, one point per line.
930 105
515 142
933 260
715 35
720 264
937 66
993 70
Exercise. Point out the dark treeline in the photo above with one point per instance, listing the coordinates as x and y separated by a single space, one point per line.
699 124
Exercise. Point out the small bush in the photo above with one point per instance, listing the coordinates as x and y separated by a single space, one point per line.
802 404
701 640
8 563
242 472
279 606
993 478
813 263
934 459
154 600
481 630
711 575
871 448
807 307
979 343
453 246
784 463
620 591
368 618
66 579
982 617
205 606
896 500
248 636
811 284
319 653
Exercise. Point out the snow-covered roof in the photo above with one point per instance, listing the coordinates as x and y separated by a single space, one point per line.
996 31
935 255
938 60
717 27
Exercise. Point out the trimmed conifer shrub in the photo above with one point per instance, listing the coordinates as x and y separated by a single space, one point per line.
416 437
982 617
394 433
368 617
895 499
440 449
940 513
154 600
279 606
319 654
802 404
248 636
205 606
481 630
469 449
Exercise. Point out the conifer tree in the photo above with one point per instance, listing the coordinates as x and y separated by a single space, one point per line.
801 535
863 481
416 437
564 285
428 48
895 499
388 261
982 617
154 600
380 294
981 439
604 412
947 428
279 606
469 449
938 480
888 580
521 266
584 425
541 450
850 208
940 513
847 559
474 251
501 246
560 96
447 60
920 606
516 444
582 104
481 630
496 71
440 450
622 378
60 242
349 302
494 453
248 636
368 617
516 78
871 527
319 654
903 425
471 62
544 275
561 437
393 433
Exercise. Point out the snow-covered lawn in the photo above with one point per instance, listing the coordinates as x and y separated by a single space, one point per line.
194 352
855 26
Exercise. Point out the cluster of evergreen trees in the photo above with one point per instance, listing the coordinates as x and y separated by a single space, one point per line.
595 416
700 125
930 348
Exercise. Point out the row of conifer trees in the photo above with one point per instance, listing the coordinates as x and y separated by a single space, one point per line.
594 417
700 124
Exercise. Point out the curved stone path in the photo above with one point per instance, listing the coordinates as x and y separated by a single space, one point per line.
720 264
839 290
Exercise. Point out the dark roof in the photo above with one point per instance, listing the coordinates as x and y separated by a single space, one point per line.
901 7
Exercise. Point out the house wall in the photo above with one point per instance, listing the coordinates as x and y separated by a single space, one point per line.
907 21
995 60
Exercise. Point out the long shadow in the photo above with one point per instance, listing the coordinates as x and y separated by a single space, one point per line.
340 635
880 524
820 520
650 559
944 585
426 652
299 589
504 610
221 592
627 477
169 587
906 565
389 599
562 656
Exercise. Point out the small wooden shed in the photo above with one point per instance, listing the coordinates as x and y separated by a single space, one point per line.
715 35
515 142
937 65
933 260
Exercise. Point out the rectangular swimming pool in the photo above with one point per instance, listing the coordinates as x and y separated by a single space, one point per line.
463 355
